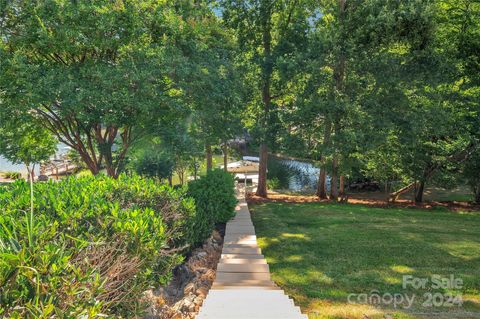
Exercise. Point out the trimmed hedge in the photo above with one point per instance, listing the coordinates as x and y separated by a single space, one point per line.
93 245
215 200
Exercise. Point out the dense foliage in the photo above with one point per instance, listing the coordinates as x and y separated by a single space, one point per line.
94 244
214 196
154 165
384 89
388 89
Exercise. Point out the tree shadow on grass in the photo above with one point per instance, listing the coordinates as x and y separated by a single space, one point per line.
328 252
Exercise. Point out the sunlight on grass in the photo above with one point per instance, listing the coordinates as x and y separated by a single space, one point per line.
321 253
341 310
287 235
294 258
402 269
467 250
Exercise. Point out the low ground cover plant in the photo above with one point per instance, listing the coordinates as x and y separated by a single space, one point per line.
92 246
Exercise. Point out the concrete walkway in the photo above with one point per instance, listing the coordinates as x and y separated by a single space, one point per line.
243 288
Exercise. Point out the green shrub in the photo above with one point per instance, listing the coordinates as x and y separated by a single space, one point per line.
273 183
93 245
155 165
215 202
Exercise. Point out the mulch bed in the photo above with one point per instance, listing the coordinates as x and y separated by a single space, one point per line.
402 203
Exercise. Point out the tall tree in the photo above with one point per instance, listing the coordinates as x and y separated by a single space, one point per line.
93 72
268 32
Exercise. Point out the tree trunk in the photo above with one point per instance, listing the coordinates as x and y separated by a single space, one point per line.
208 153
386 191
262 172
394 196
342 186
322 184
195 168
419 192
92 166
31 173
476 194
334 177
322 178
267 71
225 156
181 176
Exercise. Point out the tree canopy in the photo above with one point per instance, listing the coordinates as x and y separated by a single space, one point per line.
382 89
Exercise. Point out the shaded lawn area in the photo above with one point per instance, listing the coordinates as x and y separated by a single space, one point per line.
320 253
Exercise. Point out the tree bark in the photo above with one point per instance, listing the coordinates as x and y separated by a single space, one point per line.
322 178
419 192
342 186
476 194
87 139
394 196
208 153
334 178
195 169
262 173
337 86
225 156
322 184
267 71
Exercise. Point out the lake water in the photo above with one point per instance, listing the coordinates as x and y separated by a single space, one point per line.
298 176
6 166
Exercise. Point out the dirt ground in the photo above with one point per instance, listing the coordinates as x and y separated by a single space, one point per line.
374 199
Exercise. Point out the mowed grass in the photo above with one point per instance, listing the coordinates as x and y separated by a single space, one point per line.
321 253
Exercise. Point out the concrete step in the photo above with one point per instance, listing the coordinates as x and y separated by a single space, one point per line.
270 296
242 212
243 288
240 231
240 237
241 251
233 229
233 277
242 215
252 245
280 292
245 284
242 261
240 303
241 219
240 222
241 256
243 268
241 242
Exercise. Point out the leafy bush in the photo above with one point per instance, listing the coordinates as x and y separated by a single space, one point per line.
93 245
155 165
215 200
273 183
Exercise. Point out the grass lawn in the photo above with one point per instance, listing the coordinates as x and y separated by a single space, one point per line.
321 253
